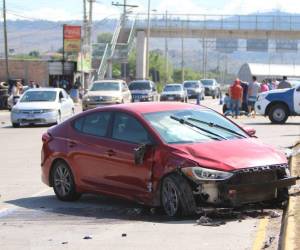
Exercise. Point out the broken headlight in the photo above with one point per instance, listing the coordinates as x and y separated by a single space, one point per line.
205 174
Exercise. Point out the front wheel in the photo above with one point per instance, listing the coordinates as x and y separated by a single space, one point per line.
177 196
16 125
63 182
278 114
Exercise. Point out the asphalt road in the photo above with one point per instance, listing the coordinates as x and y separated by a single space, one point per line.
32 218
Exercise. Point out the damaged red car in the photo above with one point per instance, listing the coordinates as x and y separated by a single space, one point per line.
177 156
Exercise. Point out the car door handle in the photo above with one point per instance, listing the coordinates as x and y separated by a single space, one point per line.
111 152
72 144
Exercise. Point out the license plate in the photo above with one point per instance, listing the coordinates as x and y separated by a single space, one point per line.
171 98
136 100
30 116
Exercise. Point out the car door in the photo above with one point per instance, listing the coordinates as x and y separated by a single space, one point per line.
88 150
131 180
63 104
297 100
125 92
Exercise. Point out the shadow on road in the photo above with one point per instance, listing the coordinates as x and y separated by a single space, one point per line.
102 209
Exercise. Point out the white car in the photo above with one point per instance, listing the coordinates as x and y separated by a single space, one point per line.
279 104
106 92
42 106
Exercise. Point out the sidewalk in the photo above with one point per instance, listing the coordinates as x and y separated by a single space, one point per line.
291 239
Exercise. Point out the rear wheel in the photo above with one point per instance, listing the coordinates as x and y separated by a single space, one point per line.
278 114
177 196
63 182
16 125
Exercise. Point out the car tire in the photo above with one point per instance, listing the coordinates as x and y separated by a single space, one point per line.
177 197
15 125
278 114
63 182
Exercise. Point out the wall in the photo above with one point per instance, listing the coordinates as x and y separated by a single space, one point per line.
35 70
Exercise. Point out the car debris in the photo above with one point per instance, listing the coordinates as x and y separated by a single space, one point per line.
124 235
64 242
274 214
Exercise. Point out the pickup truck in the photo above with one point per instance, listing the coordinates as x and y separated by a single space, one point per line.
279 104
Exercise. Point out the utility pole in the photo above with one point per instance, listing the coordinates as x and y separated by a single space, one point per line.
148 38
83 44
166 52
182 60
5 41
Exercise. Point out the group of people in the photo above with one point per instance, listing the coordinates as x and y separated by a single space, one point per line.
242 96
17 89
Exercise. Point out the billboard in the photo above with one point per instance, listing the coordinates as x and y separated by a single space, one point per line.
72 38
227 45
287 46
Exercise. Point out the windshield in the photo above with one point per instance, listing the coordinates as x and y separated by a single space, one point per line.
172 131
207 82
191 85
172 88
105 86
39 96
140 86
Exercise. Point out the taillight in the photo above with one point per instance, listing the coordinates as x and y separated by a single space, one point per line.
46 137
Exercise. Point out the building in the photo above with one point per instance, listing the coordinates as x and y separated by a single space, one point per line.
43 72
268 71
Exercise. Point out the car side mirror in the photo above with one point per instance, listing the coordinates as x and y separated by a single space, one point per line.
139 153
250 131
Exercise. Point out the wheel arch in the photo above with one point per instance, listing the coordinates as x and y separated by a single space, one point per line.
271 104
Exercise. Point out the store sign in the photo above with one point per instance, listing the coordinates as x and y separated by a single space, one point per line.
72 38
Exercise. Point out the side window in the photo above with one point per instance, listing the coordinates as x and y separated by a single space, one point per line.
93 124
127 128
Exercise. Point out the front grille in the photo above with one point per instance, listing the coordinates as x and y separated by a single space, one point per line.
32 111
254 176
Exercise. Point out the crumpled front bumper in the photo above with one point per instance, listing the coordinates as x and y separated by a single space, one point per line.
245 187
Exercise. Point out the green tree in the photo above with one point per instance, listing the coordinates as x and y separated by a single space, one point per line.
104 37
189 74
34 54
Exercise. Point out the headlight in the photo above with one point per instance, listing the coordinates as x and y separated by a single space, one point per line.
262 96
48 110
115 98
205 174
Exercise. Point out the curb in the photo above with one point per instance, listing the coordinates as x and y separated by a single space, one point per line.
290 217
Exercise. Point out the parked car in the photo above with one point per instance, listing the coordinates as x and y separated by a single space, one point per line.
143 91
279 104
106 92
174 92
194 88
42 106
174 155
212 88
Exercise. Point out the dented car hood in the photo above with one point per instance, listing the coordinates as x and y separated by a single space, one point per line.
229 155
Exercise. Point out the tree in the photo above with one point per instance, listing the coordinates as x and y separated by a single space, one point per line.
34 53
104 37
189 74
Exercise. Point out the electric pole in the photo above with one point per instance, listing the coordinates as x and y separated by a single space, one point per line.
182 60
5 41
148 38
166 52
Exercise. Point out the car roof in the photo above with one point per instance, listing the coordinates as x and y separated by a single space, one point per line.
150 107
100 81
45 89
174 84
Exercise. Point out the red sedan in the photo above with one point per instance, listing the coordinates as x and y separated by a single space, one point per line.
178 156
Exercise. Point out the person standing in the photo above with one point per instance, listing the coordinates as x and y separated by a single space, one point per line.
253 90
244 106
264 86
284 84
236 94
17 91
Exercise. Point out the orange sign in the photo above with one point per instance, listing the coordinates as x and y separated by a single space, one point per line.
72 38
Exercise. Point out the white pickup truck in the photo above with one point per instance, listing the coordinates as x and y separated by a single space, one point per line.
279 104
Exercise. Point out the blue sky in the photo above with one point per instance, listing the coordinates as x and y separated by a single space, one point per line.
72 9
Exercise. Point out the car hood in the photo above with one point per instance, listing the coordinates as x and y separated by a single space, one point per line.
141 91
103 93
36 105
230 155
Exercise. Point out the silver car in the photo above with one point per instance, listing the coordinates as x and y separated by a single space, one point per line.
212 88
42 106
194 88
174 92
106 92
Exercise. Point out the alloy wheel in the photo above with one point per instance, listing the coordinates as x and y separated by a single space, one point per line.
62 180
170 198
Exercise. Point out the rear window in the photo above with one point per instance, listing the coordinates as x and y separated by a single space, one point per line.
207 82
191 85
93 124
